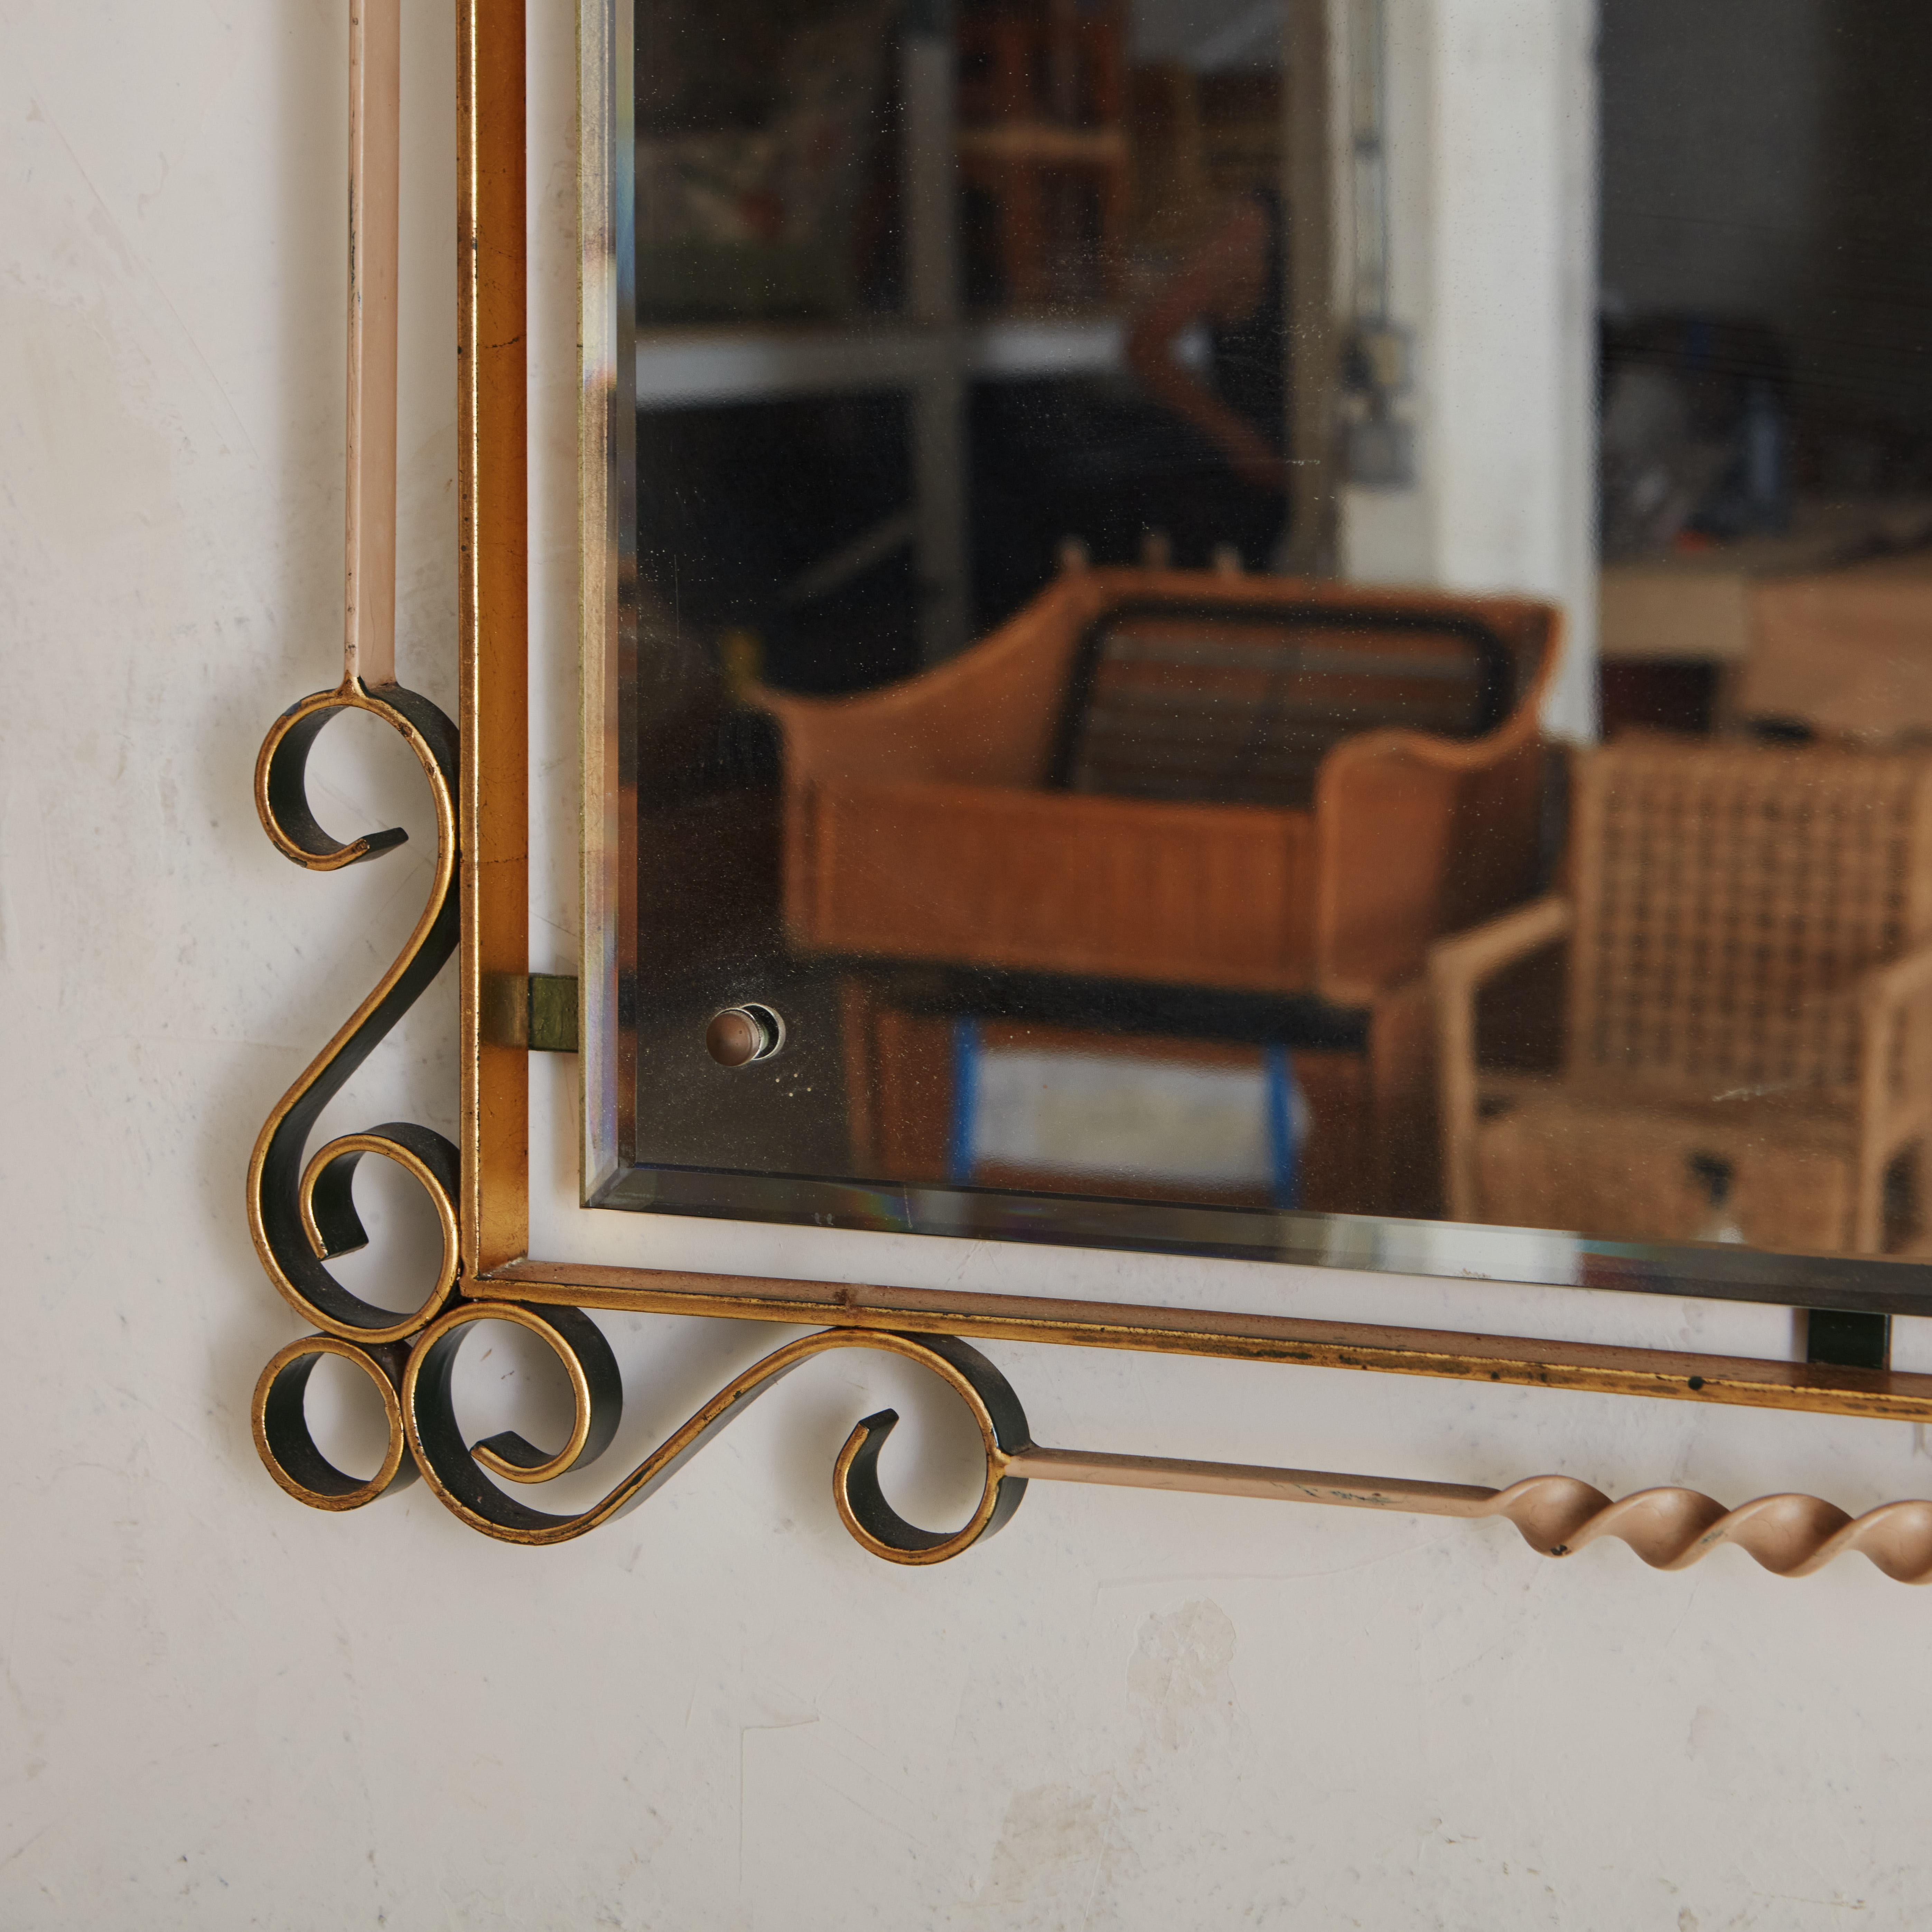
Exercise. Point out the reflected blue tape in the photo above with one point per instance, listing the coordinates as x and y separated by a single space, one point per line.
965 1100
1284 1155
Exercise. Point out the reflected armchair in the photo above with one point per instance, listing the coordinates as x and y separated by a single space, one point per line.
1748 1014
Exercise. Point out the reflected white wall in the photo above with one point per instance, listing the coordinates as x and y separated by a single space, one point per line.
1491 140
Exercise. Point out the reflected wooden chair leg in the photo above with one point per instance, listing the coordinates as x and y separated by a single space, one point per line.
1407 1178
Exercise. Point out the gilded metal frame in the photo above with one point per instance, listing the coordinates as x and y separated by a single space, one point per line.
301 1213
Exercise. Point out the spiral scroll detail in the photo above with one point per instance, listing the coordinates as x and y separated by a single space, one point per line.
1791 1535
462 1474
302 1214
282 1437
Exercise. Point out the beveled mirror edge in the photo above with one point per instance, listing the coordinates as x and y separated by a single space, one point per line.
500 1195
607 528
1363 1244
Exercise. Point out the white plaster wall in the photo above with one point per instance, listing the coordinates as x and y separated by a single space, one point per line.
218 1710
1491 146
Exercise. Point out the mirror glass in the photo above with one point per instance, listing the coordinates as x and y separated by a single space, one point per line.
1252 610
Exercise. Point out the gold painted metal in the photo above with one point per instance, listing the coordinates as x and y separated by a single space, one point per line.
536 1013
1523 1361
493 616
338 1157
283 1443
455 1471
375 173
300 1215
301 1212
1789 1535
552 1007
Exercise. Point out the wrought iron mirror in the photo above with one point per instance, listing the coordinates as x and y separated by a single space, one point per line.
1032 828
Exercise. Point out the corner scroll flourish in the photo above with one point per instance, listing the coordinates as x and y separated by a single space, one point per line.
460 1474
302 1215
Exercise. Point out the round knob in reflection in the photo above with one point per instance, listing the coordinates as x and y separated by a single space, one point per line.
741 1035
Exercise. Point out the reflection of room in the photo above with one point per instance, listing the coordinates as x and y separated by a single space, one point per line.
1768 428
1081 837
898 261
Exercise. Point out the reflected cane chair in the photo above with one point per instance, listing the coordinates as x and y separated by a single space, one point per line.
1251 784
1164 803
1745 1033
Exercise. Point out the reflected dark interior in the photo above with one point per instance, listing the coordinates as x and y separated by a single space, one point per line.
1004 717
